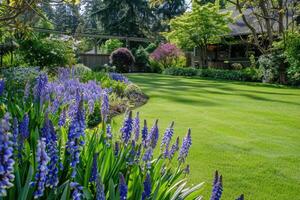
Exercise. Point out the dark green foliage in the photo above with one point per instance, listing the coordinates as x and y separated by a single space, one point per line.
46 52
141 60
237 75
151 47
95 118
123 17
292 54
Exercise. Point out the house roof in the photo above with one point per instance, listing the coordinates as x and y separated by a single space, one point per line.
240 28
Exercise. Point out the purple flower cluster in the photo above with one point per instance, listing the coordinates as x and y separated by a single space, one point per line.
174 148
62 118
119 77
105 105
49 134
24 127
145 134
75 137
147 187
6 156
77 190
40 88
165 51
108 132
186 144
136 127
67 90
167 139
100 195
217 187
153 135
94 172
241 197
127 128
123 188
42 169
2 87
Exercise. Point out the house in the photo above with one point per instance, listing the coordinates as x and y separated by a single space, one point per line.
234 48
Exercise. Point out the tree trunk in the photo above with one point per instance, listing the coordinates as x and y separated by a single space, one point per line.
282 72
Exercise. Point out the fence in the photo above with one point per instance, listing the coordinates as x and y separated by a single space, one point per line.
94 61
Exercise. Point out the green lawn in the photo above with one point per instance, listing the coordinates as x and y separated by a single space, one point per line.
249 132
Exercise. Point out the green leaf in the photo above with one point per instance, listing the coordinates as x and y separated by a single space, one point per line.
178 191
66 192
26 187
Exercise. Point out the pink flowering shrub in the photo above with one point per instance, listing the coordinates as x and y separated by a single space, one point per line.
168 55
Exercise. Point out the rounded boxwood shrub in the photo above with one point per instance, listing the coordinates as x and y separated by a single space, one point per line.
123 59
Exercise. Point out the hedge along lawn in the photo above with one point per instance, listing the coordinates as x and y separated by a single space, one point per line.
249 132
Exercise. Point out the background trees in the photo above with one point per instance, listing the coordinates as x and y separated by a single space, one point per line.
274 19
198 27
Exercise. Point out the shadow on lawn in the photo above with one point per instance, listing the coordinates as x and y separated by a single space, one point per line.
170 86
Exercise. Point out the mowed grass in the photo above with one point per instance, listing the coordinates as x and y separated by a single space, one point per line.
249 132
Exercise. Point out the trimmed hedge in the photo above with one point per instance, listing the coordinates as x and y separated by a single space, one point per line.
248 74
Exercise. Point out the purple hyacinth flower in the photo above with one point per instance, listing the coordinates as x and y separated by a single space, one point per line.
50 136
153 135
119 77
217 187
133 152
240 197
40 87
76 190
24 127
174 148
145 134
108 132
94 171
62 118
138 153
123 188
100 195
75 137
148 157
42 169
127 128
105 105
136 127
167 136
147 187
2 87
186 145
117 148
6 156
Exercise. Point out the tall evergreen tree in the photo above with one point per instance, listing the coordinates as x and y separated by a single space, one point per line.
125 17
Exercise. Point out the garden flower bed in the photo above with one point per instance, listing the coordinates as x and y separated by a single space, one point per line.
48 152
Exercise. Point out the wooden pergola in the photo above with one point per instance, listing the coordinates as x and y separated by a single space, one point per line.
96 36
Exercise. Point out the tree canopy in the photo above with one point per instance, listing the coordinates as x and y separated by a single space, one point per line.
202 25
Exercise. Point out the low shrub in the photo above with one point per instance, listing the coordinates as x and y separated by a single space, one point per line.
247 74
79 69
141 60
123 59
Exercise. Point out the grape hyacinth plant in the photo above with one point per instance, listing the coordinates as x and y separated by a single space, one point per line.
6 156
61 158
